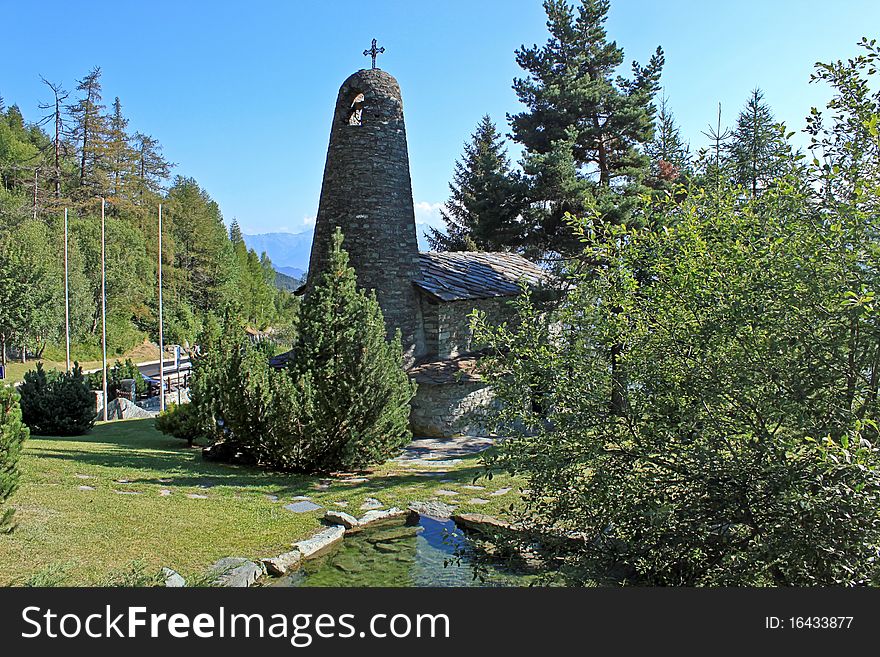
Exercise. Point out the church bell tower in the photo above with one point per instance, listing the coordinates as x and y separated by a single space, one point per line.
367 193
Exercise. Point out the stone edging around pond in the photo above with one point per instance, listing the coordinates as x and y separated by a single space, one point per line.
241 572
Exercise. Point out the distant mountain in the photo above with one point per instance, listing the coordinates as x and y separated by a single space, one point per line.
284 249
291 272
285 282
289 252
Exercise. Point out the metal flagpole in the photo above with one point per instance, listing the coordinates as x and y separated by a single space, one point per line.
104 308
66 296
161 338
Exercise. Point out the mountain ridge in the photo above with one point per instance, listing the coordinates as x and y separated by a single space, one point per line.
289 252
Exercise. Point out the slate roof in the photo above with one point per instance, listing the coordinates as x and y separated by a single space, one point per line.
459 275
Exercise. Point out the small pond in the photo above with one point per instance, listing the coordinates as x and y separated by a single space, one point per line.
429 553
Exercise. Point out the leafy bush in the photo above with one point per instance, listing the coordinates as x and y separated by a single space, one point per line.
744 452
57 403
343 401
12 434
180 421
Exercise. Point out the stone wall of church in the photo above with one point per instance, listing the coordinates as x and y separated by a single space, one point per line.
449 409
448 324
367 192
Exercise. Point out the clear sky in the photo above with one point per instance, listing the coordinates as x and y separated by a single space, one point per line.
240 94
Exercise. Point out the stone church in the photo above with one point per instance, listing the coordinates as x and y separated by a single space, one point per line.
367 192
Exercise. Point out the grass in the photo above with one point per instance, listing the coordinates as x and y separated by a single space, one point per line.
15 370
88 534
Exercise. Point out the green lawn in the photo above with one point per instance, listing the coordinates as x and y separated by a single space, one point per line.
15 370
91 533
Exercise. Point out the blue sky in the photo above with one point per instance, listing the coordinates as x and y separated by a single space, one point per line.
240 94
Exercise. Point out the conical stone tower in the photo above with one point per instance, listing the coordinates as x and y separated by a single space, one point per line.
367 193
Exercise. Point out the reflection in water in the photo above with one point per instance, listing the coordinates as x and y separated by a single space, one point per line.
430 553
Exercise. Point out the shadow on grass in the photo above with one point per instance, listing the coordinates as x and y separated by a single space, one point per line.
136 445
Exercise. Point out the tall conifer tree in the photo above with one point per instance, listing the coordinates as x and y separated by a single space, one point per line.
481 213
583 121
758 152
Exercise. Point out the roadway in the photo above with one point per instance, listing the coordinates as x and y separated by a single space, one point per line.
151 370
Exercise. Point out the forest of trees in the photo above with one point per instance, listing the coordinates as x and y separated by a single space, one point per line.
593 143
79 150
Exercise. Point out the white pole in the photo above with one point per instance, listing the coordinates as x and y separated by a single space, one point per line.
104 308
161 338
66 296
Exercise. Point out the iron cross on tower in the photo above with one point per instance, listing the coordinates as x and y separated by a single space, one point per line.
373 51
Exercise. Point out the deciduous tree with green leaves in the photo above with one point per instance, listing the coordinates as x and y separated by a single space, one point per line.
746 452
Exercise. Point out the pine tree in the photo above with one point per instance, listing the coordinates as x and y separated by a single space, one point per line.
575 100
120 158
89 132
235 234
151 168
670 155
360 392
481 213
204 267
758 151
12 434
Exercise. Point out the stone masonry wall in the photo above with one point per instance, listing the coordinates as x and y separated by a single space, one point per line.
448 324
441 411
367 192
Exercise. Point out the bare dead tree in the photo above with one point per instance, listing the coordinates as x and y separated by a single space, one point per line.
56 117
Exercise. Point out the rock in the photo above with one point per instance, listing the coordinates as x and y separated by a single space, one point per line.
445 493
473 487
374 517
354 480
272 498
164 492
371 503
126 492
501 491
173 579
236 572
196 496
341 518
320 541
393 534
302 507
86 488
438 510
478 500
341 503
278 566
481 523
123 409
301 498
387 548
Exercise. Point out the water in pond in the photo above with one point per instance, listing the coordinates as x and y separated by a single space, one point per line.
430 553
